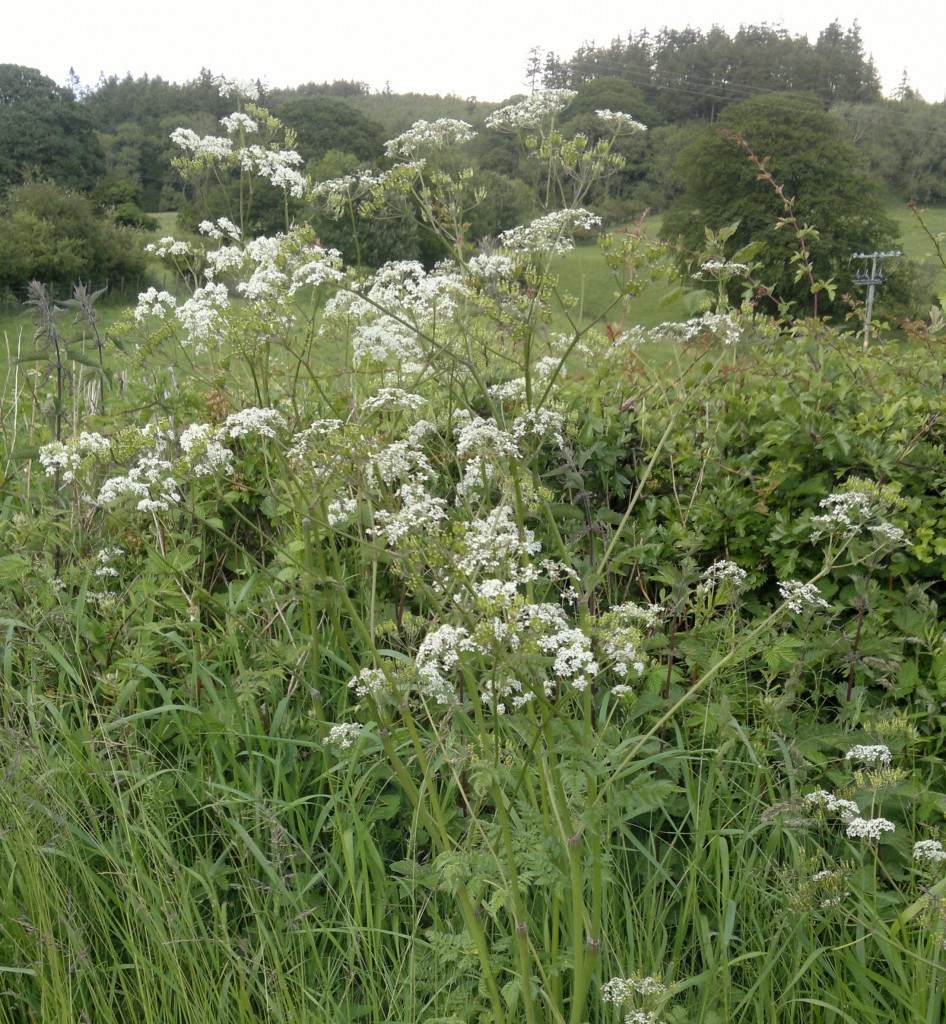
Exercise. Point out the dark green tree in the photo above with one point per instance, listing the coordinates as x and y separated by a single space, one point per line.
322 124
788 140
44 130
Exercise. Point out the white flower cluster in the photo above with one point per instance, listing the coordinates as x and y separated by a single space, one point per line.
150 481
420 296
420 512
491 267
870 829
623 632
531 112
278 165
724 571
221 228
621 120
268 277
245 88
887 533
169 246
105 557
847 512
392 398
201 445
429 136
343 735
799 596
341 511
631 992
263 422
237 122
721 326
624 990
439 653
539 423
66 458
550 233
570 647
210 147
493 545
481 446
831 888
877 754
851 511
722 269
929 849
821 798
201 313
369 682
385 340
400 460
154 303
362 191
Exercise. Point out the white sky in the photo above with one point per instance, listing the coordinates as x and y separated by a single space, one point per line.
478 49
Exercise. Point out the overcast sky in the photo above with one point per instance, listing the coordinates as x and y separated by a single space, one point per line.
479 49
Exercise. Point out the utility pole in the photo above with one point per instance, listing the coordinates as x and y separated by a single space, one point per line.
871 278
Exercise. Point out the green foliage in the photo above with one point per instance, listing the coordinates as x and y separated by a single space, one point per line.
779 168
323 124
131 215
59 236
687 74
43 130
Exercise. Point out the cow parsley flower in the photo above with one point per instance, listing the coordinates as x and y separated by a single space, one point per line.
222 227
799 596
621 120
154 303
341 511
343 735
393 398
878 754
493 543
550 233
384 340
245 88
201 313
420 512
169 246
822 799
929 849
238 121
531 112
210 147
370 682
66 458
868 828
723 570
263 422
425 136
150 481
439 653
207 456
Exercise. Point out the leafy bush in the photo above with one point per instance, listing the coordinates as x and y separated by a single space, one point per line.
59 236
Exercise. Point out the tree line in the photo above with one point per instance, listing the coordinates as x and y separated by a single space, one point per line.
105 151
